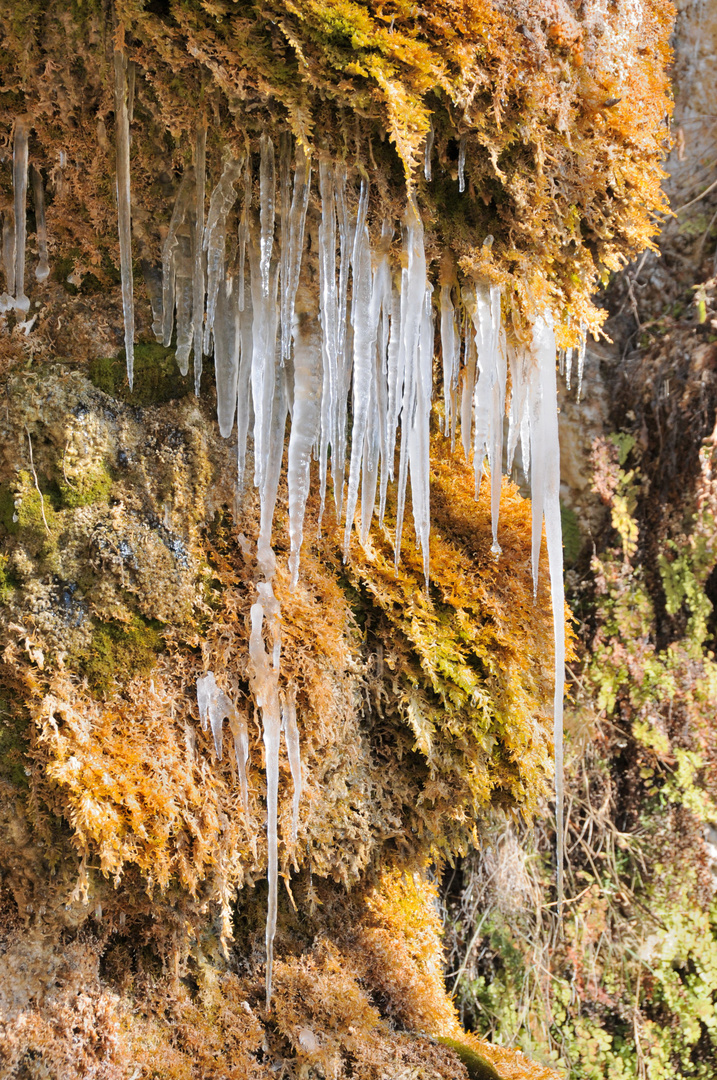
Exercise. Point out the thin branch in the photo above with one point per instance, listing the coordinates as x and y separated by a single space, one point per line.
34 474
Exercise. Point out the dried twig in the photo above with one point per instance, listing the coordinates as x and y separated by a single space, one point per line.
34 474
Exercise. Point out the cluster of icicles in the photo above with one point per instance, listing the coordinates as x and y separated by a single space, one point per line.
14 227
375 350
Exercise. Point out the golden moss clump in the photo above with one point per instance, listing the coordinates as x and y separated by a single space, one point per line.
101 1004
559 111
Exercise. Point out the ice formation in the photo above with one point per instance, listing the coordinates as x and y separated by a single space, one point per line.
349 360
19 183
368 341
42 270
124 215
214 708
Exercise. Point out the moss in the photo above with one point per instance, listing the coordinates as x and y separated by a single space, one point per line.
118 652
156 376
478 1067
7 509
89 487
6 579
572 540
32 510
13 745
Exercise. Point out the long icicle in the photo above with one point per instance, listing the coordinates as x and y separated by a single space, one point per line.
328 313
42 270
124 212
169 255
200 167
545 498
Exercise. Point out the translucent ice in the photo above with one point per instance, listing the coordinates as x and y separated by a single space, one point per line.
215 235
123 206
200 168
305 430
267 196
42 270
214 708
293 751
169 255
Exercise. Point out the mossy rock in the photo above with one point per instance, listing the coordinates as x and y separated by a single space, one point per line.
479 1068
91 487
118 652
156 376
26 508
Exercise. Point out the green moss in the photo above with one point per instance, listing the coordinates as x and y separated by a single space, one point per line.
479 1068
31 509
118 652
91 487
572 540
6 579
13 745
7 510
156 376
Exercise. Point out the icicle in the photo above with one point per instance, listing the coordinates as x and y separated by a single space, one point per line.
268 383
267 195
227 343
365 324
275 454
430 136
328 312
152 277
293 751
244 401
124 212
200 167
394 385
462 163
490 396
214 708
545 497
361 213
412 306
469 372
518 362
285 199
8 260
240 734
42 270
244 232
581 360
169 255
375 438
381 423
19 183
419 434
568 367
265 688
305 429
222 200
297 221
343 362
449 348
184 288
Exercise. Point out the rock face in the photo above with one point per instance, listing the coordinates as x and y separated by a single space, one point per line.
513 157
